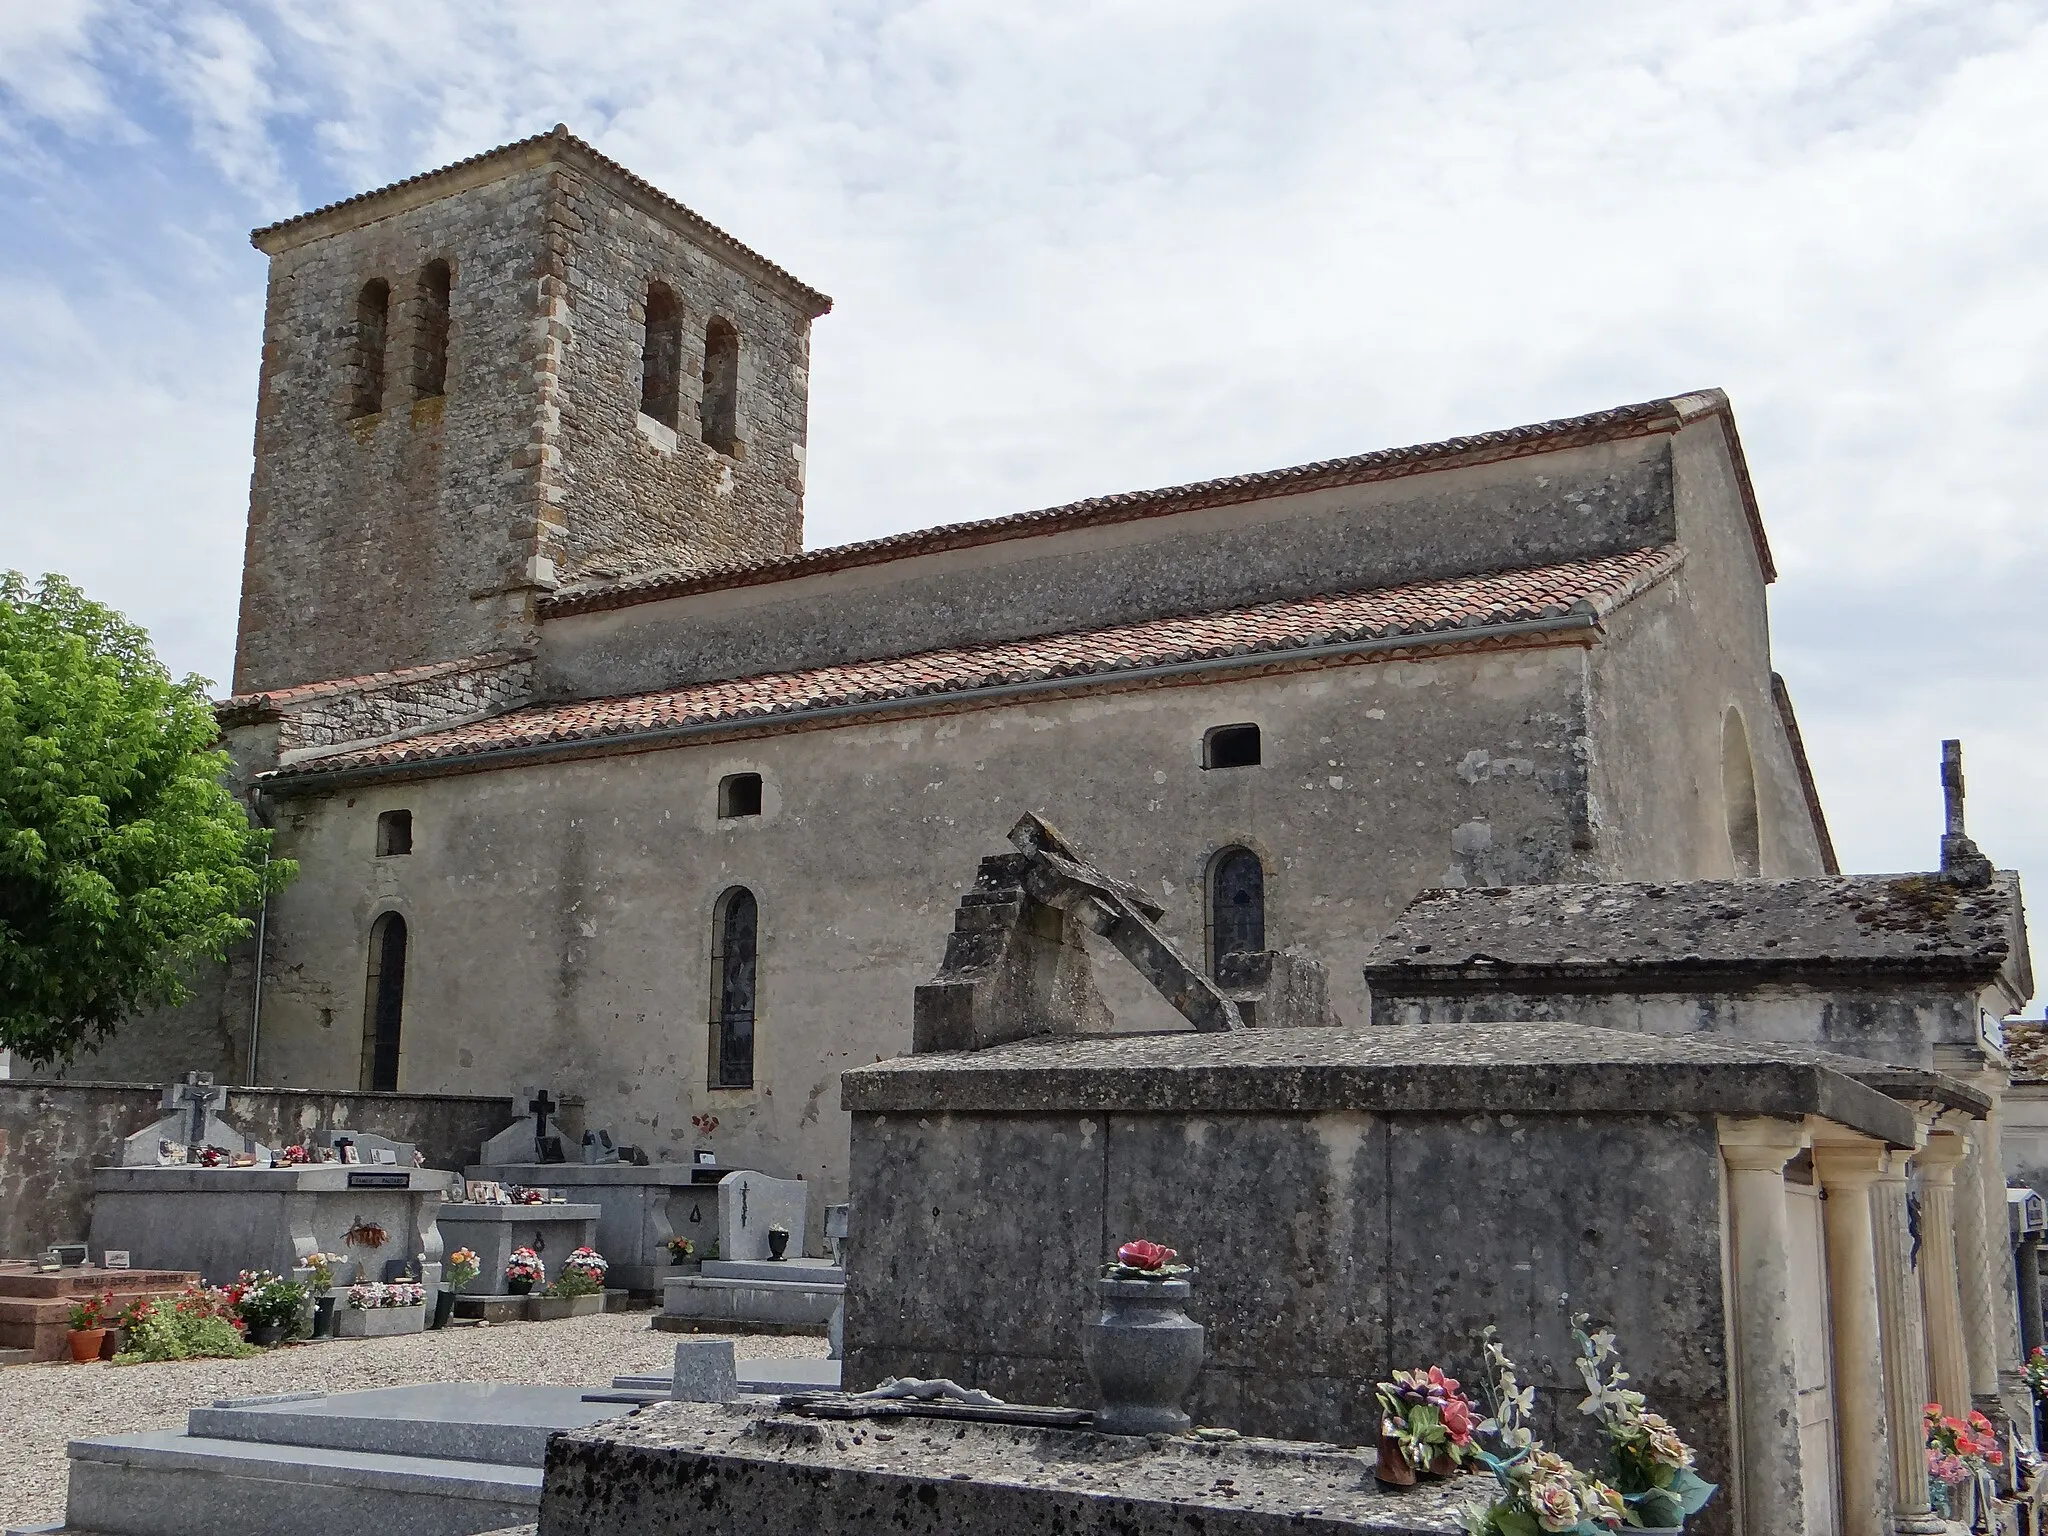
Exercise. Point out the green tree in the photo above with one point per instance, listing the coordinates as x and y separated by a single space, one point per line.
124 858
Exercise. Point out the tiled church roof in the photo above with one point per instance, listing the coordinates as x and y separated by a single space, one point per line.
1432 613
1620 422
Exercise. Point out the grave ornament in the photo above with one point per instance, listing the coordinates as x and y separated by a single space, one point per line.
189 1128
1016 965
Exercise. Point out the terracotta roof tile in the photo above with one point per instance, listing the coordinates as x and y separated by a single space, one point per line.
1445 608
1625 421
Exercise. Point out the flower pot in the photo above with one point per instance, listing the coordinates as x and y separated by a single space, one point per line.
86 1342
323 1317
378 1322
444 1307
518 1287
1144 1352
268 1335
777 1243
1390 1466
1442 1465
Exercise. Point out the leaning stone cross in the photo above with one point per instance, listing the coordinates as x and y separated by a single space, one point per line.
1015 965
192 1095
1962 862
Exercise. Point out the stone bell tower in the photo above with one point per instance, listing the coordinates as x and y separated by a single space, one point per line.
527 369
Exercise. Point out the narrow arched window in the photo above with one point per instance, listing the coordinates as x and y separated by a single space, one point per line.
1738 796
732 1000
366 366
1237 907
661 358
384 1004
720 411
430 333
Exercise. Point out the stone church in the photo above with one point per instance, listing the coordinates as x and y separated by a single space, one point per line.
598 778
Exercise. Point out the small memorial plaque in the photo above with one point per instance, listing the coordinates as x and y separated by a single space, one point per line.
114 1258
378 1180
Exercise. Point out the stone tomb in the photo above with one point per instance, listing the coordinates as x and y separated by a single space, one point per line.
749 1469
220 1221
744 1289
452 1459
639 1209
554 1231
35 1304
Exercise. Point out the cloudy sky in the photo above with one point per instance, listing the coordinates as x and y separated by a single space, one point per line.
1081 248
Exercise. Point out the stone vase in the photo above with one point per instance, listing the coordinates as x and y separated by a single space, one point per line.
1143 1351
444 1307
323 1317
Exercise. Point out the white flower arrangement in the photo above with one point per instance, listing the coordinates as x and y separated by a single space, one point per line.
365 1297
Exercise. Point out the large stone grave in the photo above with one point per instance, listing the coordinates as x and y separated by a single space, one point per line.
745 1289
35 1303
552 1230
169 1213
640 1205
452 1459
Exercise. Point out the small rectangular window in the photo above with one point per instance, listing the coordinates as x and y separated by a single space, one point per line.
394 833
739 794
1231 746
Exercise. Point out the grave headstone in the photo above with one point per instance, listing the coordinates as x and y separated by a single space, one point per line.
188 1126
749 1203
530 1138
598 1148
705 1372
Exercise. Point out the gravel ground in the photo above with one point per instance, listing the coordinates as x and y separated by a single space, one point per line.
44 1406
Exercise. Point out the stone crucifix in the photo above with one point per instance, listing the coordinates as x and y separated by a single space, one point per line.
542 1108
192 1096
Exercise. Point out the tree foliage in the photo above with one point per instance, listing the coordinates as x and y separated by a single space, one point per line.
124 858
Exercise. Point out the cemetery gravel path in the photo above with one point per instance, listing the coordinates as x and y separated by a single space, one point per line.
44 1406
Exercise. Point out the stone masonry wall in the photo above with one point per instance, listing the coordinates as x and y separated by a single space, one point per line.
388 705
638 495
53 1134
422 531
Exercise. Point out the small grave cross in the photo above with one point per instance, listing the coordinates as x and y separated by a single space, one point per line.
541 1107
192 1095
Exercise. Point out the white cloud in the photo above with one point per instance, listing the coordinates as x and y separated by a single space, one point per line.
1087 247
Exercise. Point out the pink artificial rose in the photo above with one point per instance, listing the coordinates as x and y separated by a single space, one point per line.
1143 1255
1457 1415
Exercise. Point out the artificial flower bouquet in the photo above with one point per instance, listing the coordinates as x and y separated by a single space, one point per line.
1647 1461
582 1274
460 1267
1539 1490
1427 1421
1142 1260
2037 1372
1959 1450
293 1156
525 1264
680 1248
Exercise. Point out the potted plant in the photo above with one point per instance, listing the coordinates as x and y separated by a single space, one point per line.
457 1270
524 1271
1960 1456
1142 1348
2037 1384
1539 1490
680 1250
89 1325
1647 1462
577 1291
321 1274
1425 1427
271 1306
778 1241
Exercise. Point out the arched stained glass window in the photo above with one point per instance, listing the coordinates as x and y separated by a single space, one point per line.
732 968
1237 906
384 1004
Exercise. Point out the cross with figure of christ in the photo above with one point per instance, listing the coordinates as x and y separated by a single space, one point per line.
541 1107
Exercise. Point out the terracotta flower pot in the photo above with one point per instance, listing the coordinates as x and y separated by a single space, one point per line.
86 1342
1391 1466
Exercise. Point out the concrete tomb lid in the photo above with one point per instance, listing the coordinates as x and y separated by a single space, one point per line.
1524 1068
1650 935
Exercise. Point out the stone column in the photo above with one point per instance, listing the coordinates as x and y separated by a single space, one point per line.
1948 1361
1905 1351
1846 1171
2027 1269
1978 1282
1769 1486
